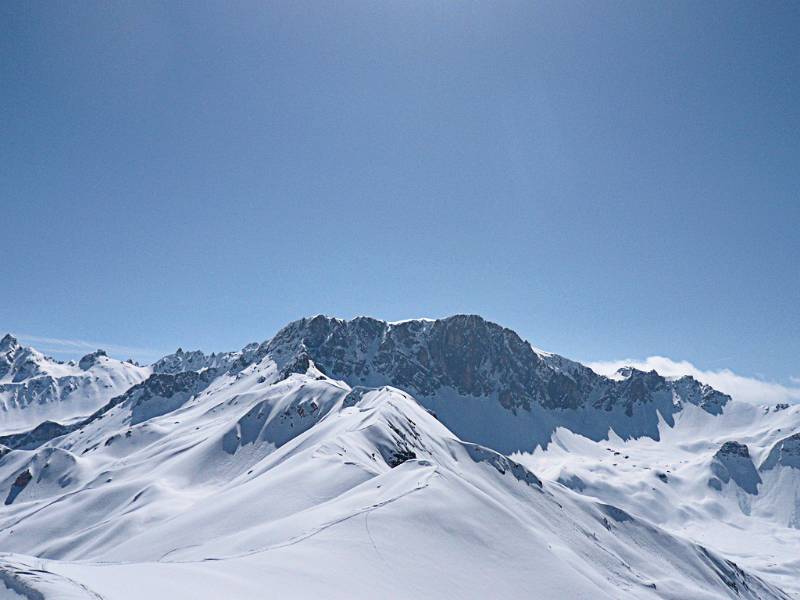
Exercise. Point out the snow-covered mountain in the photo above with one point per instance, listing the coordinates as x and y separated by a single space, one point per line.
463 367
196 360
363 459
36 388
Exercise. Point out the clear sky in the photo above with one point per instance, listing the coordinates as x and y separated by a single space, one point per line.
609 179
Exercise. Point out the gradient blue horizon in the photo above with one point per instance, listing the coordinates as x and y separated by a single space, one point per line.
609 180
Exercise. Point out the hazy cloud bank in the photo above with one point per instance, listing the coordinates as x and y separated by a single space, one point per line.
746 389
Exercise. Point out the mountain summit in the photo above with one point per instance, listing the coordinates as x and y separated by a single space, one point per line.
465 360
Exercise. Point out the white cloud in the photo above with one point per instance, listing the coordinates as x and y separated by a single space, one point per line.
746 389
76 348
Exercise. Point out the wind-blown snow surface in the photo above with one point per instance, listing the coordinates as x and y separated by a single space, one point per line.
254 478
744 506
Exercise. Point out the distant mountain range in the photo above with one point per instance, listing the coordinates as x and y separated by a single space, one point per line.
361 459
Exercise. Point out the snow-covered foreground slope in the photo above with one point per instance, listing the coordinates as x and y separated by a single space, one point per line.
35 388
273 484
730 482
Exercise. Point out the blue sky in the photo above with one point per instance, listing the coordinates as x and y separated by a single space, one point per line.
610 180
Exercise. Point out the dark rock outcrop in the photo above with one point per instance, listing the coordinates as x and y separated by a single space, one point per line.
463 365
473 357
90 360
196 360
44 432
732 462
785 453
9 346
20 483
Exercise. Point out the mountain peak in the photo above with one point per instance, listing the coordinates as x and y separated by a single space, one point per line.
469 357
630 371
9 353
8 342
464 352
88 361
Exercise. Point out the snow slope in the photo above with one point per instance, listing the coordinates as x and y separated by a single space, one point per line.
739 502
309 488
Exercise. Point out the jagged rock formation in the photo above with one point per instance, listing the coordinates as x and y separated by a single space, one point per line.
16 362
196 360
473 357
465 356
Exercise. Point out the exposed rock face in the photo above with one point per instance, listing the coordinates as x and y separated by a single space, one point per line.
475 358
732 462
36 437
90 360
700 394
417 355
8 341
162 393
20 483
38 390
196 360
785 453
8 352
17 363
465 353
462 367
